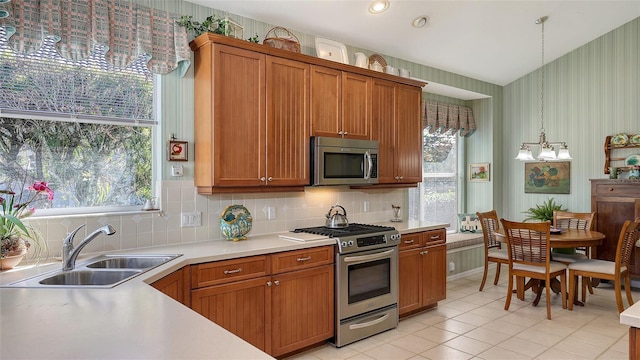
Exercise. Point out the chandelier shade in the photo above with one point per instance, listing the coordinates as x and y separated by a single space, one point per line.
547 148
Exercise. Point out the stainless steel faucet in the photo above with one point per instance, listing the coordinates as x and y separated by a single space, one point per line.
70 254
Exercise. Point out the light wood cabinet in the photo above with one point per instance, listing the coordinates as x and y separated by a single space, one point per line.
614 202
175 285
397 125
256 107
341 104
251 120
280 303
422 270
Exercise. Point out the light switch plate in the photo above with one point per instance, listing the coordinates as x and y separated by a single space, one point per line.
177 170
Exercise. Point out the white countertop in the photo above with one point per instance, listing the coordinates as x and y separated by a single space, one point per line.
131 320
631 316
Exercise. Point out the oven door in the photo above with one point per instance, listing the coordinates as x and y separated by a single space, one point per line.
367 281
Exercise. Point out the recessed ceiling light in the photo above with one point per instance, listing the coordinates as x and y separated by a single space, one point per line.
420 21
378 6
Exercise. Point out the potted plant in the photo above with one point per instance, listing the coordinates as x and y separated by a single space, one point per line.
544 211
15 236
213 24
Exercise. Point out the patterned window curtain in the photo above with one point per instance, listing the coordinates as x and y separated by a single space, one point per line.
129 31
440 116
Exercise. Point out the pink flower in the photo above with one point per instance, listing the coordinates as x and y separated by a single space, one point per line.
42 186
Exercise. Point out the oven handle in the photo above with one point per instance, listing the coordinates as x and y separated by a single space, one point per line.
369 323
375 256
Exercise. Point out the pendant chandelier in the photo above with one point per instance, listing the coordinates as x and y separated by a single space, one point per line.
547 148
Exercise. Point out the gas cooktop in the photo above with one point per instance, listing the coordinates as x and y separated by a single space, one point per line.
350 230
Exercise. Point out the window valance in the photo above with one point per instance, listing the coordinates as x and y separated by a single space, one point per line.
441 116
127 30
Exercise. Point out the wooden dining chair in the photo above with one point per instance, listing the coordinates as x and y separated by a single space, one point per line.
614 271
573 220
530 257
493 251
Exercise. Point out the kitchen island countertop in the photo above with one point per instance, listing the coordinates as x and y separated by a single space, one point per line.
131 320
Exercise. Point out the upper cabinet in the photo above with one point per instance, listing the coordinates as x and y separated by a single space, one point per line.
256 108
397 125
340 104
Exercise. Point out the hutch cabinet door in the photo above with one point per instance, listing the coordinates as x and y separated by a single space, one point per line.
383 120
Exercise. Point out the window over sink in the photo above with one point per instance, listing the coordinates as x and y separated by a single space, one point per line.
85 127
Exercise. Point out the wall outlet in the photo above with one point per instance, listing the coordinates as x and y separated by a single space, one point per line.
366 206
191 219
177 170
271 213
452 266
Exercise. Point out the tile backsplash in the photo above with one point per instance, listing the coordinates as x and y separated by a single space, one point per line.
149 229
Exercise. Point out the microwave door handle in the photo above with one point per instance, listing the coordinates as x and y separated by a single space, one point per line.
370 257
368 165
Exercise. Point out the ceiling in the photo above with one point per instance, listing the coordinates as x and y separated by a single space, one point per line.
494 41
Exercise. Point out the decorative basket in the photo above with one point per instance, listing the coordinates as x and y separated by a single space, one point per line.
286 42
235 222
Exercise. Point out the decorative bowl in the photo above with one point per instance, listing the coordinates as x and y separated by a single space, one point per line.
235 222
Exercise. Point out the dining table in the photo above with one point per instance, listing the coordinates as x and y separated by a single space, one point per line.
561 239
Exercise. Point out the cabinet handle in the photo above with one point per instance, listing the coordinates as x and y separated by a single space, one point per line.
226 272
346 133
277 282
435 237
409 241
263 179
340 132
610 189
424 252
303 259
269 283
270 178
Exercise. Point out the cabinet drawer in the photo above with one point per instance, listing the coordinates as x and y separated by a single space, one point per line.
301 259
617 190
410 241
435 237
220 272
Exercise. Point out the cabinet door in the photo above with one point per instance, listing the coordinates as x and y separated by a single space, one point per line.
287 129
175 285
611 213
410 285
434 284
240 307
302 308
356 106
383 119
239 134
326 102
408 142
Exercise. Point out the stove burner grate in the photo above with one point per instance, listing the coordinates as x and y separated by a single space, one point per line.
351 229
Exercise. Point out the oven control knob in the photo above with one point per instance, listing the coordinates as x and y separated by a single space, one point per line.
344 244
351 243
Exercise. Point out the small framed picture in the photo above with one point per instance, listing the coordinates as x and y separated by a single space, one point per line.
178 150
479 172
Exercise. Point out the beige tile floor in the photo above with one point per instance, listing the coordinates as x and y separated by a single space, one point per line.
474 325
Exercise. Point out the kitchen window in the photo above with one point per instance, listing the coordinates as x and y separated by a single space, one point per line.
436 197
85 127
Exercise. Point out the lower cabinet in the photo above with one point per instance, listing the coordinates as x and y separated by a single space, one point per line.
285 306
422 270
175 285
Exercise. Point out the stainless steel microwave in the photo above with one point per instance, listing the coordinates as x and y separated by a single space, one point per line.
336 161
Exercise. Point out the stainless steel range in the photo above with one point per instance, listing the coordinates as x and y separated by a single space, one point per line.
366 279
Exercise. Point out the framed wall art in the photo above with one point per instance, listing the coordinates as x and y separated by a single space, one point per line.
479 172
178 150
547 177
